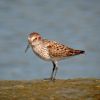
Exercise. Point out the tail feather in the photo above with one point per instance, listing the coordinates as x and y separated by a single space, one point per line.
76 52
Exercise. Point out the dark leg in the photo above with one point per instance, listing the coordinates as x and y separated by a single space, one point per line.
56 69
54 66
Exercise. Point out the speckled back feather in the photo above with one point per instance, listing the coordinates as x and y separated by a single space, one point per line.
59 51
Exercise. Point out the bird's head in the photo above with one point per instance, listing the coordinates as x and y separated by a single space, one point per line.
33 39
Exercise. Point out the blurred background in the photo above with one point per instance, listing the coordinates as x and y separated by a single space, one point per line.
75 23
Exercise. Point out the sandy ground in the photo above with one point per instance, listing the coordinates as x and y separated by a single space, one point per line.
71 89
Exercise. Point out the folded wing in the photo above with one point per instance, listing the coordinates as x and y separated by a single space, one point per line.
60 51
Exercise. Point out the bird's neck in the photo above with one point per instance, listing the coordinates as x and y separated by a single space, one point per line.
36 43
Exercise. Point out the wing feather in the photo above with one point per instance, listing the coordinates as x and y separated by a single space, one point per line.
57 50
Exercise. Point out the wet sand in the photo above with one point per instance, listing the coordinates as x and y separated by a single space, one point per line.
71 89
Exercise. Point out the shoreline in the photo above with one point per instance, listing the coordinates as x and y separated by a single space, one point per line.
60 89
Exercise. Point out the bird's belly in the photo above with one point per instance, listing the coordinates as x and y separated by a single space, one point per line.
42 52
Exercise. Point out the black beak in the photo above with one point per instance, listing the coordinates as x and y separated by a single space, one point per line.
28 46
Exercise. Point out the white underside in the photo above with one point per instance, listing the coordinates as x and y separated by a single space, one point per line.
41 52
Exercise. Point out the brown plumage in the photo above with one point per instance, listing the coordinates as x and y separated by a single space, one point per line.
50 50
59 51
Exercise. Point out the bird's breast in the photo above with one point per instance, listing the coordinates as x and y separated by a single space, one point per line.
41 51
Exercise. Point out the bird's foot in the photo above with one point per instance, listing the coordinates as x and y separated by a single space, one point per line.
50 79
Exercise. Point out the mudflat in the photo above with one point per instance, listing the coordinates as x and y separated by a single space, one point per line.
70 89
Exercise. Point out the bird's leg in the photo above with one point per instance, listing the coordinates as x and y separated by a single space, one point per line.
56 69
54 66
52 74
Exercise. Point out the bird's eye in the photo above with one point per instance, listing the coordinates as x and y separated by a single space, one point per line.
34 39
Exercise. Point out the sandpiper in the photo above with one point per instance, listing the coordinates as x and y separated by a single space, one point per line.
50 50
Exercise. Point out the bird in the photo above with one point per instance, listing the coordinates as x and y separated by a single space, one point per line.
50 50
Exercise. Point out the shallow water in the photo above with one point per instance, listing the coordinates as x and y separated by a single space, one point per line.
75 23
